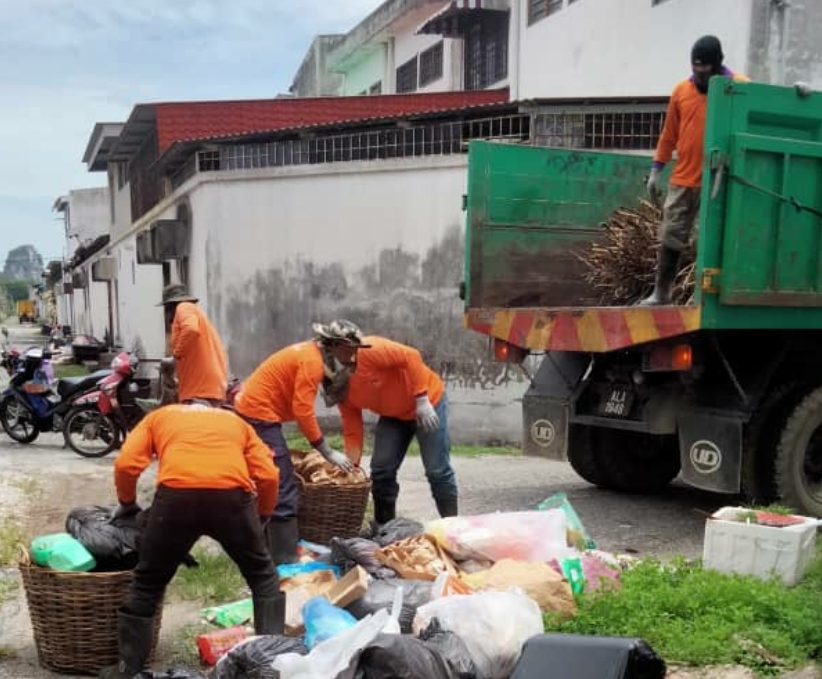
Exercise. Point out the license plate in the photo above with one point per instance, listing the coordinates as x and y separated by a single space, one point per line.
616 401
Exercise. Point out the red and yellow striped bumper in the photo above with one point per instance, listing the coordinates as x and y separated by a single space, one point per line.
593 329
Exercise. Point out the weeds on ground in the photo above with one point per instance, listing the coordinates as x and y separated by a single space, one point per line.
296 442
27 485
699 617
183 651
8 588
215 581
63 370
11 537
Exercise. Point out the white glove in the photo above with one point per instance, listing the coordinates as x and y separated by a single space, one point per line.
335 457
427 418
654 190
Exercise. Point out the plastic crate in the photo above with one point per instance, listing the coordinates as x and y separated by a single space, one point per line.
734 546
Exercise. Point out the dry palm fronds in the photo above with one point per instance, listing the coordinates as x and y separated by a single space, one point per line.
621 264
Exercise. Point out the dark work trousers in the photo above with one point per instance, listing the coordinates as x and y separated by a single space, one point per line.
178 518
391 440
272 435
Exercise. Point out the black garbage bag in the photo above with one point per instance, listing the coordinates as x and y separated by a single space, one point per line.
451 647
113 544
358 552
396 530
380 594
252 659
176 673
393 656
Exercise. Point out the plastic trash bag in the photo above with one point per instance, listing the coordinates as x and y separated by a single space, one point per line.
231 614
493 625
334 656
324 620
396 530
577 535
358 552
523 536
452 648
253 658
176 673
391 656
380 596
290 570
112 543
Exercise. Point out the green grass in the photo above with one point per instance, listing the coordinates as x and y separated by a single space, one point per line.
8 588
296 441
183 651
27 485
11 537
698 617
69 370
216 581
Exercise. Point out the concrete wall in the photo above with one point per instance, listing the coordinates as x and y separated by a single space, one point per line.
383 247
785 45
369 71
624 47
89 216
409 45
313 79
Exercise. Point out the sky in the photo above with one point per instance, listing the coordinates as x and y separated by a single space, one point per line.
67 64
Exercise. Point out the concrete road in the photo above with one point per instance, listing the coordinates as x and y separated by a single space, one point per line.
41 482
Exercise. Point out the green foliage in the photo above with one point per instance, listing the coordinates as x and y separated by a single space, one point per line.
217 580
701 617
16 290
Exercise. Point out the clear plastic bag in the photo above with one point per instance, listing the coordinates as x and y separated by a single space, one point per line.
493 625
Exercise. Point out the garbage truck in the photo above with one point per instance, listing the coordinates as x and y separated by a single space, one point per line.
726 391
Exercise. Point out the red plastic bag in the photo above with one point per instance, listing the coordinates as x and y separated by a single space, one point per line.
214 645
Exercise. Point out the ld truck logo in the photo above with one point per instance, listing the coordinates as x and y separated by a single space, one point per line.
543 433
706 457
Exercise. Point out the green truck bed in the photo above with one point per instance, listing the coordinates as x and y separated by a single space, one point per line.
759 265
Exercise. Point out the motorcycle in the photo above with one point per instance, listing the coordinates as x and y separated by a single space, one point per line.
100 419
29 405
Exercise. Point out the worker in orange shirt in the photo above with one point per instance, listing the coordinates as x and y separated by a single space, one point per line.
684 132
392 381
199 354
215 478
283 389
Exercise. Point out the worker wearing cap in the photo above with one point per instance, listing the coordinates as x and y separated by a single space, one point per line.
684 132
199 354
215 477
392 381
283 389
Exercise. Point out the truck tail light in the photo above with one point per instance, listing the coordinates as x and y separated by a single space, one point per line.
668 358
505 352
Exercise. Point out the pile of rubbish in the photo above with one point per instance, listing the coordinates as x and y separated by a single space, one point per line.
458 598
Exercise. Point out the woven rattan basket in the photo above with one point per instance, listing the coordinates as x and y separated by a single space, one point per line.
74 616
330 511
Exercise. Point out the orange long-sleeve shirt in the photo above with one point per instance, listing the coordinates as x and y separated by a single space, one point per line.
198 447
388 379
684 132
202 364
283 389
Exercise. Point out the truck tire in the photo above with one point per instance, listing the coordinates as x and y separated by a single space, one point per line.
761 438
629 461
799 457
581 455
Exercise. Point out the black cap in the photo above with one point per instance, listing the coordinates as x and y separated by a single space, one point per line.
707 50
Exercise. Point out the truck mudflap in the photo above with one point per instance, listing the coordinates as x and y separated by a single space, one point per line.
710 446
594 329
546 404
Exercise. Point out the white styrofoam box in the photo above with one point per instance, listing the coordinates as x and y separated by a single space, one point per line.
752 549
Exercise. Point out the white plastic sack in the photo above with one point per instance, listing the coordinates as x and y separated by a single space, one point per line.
493 625
522 536
332 656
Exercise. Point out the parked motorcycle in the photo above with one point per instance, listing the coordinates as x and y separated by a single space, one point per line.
29 406
100 419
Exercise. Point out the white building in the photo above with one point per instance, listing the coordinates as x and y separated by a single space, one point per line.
563 48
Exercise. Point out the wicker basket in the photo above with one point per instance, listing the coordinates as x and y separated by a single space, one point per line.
74 616
330 511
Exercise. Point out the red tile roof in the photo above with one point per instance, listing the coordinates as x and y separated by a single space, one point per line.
199 120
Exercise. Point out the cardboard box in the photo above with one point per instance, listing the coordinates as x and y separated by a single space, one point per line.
344 591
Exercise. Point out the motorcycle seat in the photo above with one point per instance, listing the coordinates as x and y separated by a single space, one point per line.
70 385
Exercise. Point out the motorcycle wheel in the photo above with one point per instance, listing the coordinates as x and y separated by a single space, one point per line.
18 421
90 433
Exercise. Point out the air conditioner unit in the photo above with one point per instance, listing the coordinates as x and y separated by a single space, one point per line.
171 239
145 249
104 269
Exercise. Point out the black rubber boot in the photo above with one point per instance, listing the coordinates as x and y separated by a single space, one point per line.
666 270
447 507
269 614
282 536
384 511
134 636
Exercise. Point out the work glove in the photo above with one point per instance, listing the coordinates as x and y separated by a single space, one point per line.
654 188
427 418
124 511
335 457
